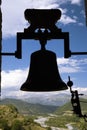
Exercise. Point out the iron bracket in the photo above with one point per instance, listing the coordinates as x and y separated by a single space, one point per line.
43 35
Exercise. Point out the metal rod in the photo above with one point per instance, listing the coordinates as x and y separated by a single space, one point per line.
7 54
78 53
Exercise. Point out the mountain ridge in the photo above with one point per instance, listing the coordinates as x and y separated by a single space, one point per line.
29 108
48 98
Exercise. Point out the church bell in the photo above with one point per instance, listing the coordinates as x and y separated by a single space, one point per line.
43 73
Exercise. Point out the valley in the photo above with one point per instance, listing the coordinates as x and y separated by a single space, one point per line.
40 117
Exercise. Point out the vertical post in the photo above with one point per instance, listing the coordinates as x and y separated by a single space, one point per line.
85 4
67 52
0 43
18 53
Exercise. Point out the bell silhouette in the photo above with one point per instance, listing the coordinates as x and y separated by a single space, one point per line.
43 74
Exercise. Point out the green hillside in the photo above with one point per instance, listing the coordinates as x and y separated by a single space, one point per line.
27 108
64 116
10 119
68 107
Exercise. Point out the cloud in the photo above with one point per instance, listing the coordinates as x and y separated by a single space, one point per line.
13 78
77 2
71 65
81 90
12 81
67 19
18 94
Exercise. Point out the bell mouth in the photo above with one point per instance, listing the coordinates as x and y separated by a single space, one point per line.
27 89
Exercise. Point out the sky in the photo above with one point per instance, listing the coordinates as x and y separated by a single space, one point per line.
15 71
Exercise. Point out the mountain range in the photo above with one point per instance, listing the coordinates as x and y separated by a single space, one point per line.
28 108
41 105
49 99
